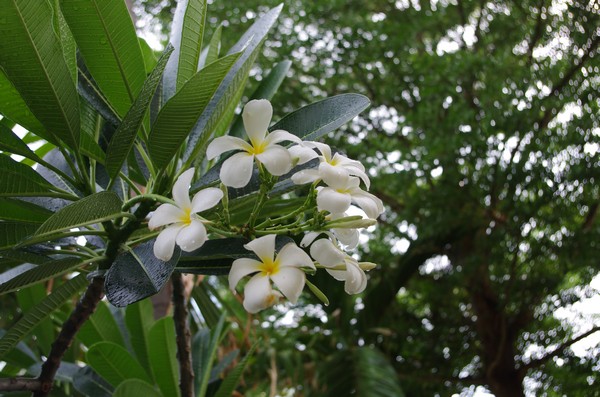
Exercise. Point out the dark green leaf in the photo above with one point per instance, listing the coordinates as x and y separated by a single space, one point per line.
163 356
250 43
123 139
14 107
21 180
22 211
114 363
96 208
11 143
13 232
233 378
101 326
139 319
32 57
41 273
33 317
204 349
136 388
136 276
107 40
214 47
177 117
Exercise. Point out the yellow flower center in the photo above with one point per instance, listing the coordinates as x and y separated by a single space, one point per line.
269 268
258 148
186 218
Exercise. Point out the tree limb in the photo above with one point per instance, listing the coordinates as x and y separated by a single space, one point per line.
20 384
184 338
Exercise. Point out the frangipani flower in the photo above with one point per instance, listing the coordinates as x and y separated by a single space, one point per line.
185 228
304 152
342 190
284 269
340 265
237 170
347 234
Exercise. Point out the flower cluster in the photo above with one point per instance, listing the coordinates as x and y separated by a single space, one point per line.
335 187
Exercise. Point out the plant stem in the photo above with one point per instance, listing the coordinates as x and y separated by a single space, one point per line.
16 384
184 339
83 310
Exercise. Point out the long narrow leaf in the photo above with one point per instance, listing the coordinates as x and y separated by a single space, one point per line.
13 106
204 348
139 319
13 232
214 46
250 43
33 317
114 363
163 356
106 38
21 180
32 57
233 378
123 139
187 32
101 326
22 211
136 388
41 273
11 143
177 117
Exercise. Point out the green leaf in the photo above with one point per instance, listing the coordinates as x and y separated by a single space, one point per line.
21 180
14 107
18 210
317 119
32 57
163 356
114 363
66 40
101 326
33 317
204 350
233 378
187 32
214 47
208 308
137 275
250 44
21 356
266 89
89 90
98 207
148 54
107 40
13 232
44 331
139 319
40 273
136 388
123 139
11 143
177 117
89 383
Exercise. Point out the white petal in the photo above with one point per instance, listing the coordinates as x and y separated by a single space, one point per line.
326 253
192 236
348 237
181 189
355 171
372 205
293 256
206 198
290 281
336 177
280 136
258 294
257 116
241 268
224 144
306 176
165 215
237 170
324 149
165 242
332 200
356 279
308 238
263 247
302 154
277 160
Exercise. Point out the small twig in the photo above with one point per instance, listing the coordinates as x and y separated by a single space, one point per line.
180 315
83 310
19 384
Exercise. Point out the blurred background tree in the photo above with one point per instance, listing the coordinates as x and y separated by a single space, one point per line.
482 140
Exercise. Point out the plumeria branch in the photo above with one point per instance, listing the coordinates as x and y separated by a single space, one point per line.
184 338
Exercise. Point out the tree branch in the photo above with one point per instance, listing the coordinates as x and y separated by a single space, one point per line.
541 361
20 384
184 355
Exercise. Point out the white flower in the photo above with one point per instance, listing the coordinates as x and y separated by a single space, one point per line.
237 170
342 190
304 152
348 236
186 228
339 265
284 269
